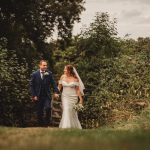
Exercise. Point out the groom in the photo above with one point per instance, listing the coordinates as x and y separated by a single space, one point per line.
40 83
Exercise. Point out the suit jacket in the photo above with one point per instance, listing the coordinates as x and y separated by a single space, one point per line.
35 83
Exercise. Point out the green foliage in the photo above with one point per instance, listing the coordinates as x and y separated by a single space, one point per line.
100 38
33 21
13 88
120 86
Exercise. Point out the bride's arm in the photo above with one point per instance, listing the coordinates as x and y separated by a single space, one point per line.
60 83
79 95
59 87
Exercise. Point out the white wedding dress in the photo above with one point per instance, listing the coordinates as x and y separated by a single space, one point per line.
69 99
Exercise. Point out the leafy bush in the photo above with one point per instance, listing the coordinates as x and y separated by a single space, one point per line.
14 81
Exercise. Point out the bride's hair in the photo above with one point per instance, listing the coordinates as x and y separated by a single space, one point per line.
70 70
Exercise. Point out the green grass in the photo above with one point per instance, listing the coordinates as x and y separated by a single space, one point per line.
60 139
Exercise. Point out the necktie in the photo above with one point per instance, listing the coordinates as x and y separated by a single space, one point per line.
42 75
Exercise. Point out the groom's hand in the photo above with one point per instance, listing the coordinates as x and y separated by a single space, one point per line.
35 98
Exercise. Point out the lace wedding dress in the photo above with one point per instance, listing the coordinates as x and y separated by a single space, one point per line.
69 99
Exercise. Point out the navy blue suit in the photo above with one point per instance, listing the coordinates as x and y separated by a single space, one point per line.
41 88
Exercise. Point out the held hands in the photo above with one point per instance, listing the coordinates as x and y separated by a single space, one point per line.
56 96
35 98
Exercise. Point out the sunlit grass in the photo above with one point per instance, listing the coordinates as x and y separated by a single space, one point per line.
57 139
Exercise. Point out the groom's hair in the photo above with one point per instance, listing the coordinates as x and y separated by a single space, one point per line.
42 61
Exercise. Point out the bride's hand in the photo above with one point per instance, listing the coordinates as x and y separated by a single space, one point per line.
80 106
81 103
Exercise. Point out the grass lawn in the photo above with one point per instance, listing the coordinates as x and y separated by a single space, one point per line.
71 139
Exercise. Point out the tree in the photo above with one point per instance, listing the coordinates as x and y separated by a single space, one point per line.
31 22
100 38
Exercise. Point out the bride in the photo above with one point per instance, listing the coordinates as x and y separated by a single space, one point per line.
72 88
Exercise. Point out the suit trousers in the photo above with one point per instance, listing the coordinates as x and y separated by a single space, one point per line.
44 111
